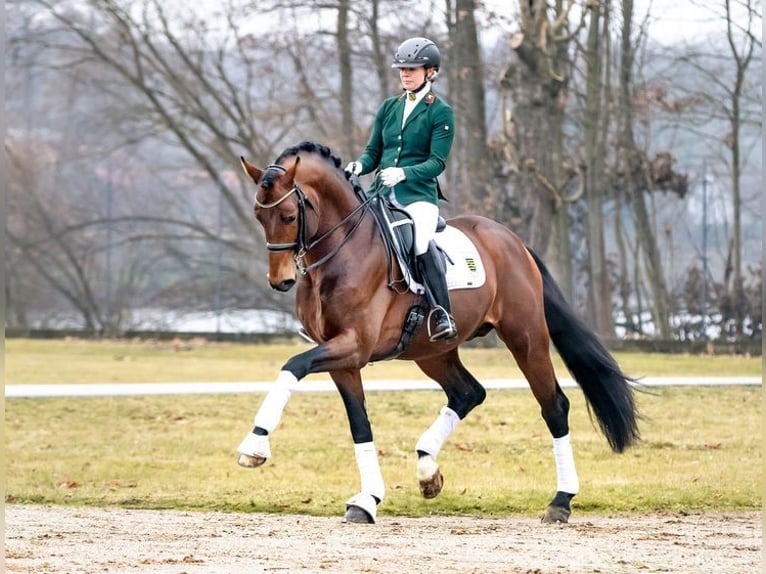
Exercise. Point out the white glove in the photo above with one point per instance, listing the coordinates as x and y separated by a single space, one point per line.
354 167
391 176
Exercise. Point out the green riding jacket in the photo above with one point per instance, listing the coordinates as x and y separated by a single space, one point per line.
421 147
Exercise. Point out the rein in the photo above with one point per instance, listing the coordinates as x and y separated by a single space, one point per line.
300 245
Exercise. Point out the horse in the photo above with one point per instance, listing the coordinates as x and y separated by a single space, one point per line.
321 235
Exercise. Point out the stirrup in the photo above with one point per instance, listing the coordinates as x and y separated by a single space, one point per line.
448 332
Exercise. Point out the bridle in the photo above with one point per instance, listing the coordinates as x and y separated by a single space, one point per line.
299 243
301 246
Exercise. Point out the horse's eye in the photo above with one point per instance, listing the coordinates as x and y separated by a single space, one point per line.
288 218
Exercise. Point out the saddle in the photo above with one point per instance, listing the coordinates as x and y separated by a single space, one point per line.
397 230
454 250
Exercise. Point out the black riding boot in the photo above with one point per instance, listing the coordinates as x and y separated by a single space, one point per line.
432 275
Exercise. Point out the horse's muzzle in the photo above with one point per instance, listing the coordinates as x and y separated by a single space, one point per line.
284 285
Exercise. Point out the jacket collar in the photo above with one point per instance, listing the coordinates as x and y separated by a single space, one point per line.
421 107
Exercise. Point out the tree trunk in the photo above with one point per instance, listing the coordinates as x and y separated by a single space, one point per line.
470 150
560 249
636 183
739 289
625 291
652 264
742 61
348 146
599 292
382 58
537 80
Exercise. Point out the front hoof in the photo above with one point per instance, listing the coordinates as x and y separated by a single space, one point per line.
356 515
433 486
247 461
429 477
361 508
253 450
556 514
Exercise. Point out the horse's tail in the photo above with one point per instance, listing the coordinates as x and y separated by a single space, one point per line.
605 387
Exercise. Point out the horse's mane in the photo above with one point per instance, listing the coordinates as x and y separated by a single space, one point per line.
320 150
311 147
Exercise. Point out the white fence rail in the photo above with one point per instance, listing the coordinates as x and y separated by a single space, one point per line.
138 389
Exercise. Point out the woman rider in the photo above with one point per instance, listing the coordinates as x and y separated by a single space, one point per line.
409 146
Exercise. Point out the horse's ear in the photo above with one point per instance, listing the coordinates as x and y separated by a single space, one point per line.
252 171
290 174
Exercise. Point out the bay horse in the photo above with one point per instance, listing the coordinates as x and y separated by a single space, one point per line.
321 235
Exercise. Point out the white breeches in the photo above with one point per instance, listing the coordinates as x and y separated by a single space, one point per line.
425 216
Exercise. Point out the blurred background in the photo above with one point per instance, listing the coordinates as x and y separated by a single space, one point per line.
621 140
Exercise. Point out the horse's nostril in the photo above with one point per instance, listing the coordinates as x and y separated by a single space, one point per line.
284 285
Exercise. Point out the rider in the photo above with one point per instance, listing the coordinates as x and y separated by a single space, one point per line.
409 146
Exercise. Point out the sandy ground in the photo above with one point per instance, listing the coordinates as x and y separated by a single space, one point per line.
52 539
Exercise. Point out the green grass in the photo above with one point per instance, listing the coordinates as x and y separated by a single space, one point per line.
81 361
701 451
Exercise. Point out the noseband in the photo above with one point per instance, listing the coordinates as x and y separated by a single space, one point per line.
300 246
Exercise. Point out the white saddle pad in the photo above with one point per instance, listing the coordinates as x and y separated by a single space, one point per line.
465 269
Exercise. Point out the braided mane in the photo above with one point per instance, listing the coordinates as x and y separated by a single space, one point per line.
311 147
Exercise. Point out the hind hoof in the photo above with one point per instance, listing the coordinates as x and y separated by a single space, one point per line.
247 461
556 515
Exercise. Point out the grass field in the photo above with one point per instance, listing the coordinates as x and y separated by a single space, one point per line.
701 450
701 447
110 361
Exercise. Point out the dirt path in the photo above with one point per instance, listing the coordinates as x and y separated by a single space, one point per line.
51 539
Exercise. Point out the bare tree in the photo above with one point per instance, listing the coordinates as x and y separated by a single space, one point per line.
466 76
162 91
537 82
742 43
714 101
596 128
159 102
635 177
346 82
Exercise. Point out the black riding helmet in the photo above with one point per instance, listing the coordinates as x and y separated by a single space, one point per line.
417 52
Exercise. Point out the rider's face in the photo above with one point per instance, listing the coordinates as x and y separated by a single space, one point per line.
412 78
